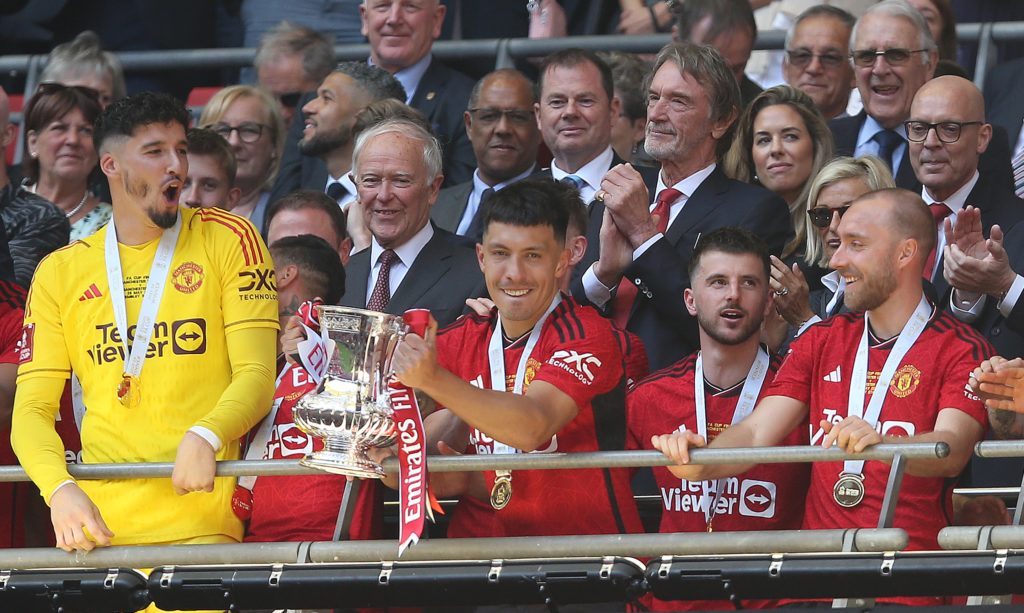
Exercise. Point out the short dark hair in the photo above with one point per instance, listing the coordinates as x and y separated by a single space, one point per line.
510 74
204 141
730 240
123 117
309 199
320 264
569 58
378 83
726 16
532 202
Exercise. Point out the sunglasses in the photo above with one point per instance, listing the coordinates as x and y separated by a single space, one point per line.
289 100
894 57
821 216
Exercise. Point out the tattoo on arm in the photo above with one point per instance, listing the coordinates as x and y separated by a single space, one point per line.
1006 424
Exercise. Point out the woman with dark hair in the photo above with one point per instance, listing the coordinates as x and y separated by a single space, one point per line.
61 158
942 23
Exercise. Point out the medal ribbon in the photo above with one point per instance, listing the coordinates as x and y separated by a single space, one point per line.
744 406
155 284
858 384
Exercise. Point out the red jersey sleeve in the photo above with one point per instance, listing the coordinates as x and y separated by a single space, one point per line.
10 335
793 379
959 364
585 366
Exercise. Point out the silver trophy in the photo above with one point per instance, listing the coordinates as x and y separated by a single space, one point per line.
351 408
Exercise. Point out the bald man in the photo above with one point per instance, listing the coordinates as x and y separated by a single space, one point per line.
827 379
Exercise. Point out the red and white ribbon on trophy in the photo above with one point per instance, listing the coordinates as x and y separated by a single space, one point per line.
416 501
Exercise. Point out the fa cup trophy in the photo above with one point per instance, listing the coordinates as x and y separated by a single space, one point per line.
350 408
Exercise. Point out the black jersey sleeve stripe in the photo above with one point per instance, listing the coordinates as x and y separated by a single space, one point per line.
574 315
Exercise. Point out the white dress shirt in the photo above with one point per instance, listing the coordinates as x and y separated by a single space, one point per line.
592 172
406 252
867 145
479 187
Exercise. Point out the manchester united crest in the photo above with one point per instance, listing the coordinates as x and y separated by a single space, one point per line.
188 277
532 366
905 381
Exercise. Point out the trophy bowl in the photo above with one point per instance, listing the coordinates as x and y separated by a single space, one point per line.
351 408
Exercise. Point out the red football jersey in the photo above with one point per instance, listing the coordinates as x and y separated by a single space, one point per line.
932 376
12 495
579 354
766 497
305 507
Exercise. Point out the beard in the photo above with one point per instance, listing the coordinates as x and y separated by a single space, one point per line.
140 190
163 219
709 323
872 292
322 143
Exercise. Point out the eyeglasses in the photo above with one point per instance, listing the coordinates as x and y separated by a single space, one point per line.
247 132
947 131
821 216
289 100
894 57
801 58
491 116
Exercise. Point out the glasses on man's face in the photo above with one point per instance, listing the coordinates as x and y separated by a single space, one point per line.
247 132
821 216
948 131
894 57
289 100
801 58
491 116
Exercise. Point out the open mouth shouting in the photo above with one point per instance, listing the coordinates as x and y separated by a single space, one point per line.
171 191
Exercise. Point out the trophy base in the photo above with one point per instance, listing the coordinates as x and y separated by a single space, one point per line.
343 464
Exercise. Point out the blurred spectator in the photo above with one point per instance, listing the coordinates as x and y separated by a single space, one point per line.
781 142
629 73
1004 90
941 23
501 125
726 25
817 58
248 119
309 212
382 110
338 20
645 16
211 172
83 61
290 61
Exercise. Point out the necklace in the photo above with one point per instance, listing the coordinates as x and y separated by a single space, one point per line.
78 207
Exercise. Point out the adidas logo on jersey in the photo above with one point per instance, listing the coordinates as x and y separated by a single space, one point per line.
834 377
89 294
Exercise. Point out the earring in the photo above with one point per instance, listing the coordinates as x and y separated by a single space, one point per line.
33 154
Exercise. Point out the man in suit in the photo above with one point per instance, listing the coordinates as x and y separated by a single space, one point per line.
410 264
400 43
948 133
505 137
816 59
893 55
635 267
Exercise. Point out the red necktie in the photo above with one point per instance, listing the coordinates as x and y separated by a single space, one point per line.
381 295
939 212
622 303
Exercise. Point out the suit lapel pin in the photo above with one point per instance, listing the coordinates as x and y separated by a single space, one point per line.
430 95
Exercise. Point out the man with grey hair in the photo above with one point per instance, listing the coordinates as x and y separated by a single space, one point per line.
816 60
83 61
410 263
290 61
636 261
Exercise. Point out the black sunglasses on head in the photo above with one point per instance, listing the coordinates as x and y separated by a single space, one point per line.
821 216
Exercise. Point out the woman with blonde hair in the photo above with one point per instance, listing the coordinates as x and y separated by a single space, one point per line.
781 142
249 119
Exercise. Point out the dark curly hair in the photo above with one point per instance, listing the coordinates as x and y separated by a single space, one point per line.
126 115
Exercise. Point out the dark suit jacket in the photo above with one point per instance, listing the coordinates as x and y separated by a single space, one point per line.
1004 91
994 164
442 96
444 274
659 316
451 205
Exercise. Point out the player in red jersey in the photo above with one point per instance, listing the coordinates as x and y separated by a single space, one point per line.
13 496
560 361
922 356
730 299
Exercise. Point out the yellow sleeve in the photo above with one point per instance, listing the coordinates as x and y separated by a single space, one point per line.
42 374
252 353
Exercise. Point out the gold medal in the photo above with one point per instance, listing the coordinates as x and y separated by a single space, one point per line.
501 493
128 393
849 490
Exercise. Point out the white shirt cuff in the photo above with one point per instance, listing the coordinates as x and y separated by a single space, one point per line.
1012 296
596 292
967 313
807 324
639 251
62 484
208 436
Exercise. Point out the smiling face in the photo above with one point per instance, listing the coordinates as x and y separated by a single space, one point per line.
575 114
521 265
828 77
285 78
679 126
394 188
836 196
867 255
507 146
331 115
64 148
729 296
255 159
147 171
400 32
783 151
887 90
